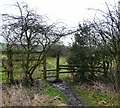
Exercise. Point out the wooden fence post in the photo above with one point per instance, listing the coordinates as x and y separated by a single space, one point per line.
57 66
44 65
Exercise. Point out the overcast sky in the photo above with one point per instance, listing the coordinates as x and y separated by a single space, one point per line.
71 12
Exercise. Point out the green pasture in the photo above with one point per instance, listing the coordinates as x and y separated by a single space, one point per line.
50 64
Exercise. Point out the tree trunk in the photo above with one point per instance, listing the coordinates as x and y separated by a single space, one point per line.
92 76
44 66
10 65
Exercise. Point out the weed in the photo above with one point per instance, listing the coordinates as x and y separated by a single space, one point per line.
41 94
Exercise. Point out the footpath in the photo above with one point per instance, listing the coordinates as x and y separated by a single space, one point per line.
72 99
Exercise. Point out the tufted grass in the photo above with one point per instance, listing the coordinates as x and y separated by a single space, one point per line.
96 96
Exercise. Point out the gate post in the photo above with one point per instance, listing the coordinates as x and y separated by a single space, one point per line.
44 65
57 66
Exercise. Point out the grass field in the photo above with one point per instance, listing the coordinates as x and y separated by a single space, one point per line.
51 64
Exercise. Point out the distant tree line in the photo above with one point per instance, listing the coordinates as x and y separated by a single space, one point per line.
53 51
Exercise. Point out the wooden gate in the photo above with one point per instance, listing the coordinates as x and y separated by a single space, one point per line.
58 70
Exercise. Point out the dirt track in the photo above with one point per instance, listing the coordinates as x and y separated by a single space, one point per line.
72 99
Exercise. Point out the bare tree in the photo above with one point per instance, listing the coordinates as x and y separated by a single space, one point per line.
108 30
28 32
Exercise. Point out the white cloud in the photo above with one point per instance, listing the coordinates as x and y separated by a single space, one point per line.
69 11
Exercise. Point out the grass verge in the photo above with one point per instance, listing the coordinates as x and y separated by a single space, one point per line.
96 97
41 94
